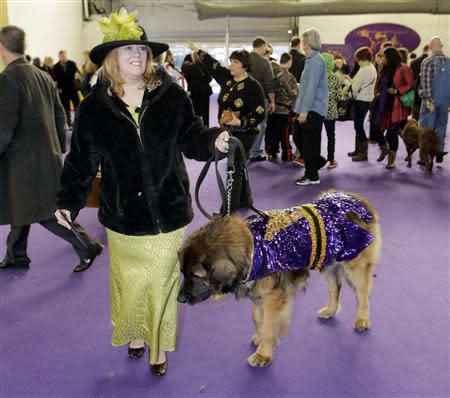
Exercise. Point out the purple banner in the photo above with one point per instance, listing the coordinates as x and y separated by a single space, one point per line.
372 36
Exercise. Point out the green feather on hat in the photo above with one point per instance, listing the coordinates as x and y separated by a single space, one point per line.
120 26
121 29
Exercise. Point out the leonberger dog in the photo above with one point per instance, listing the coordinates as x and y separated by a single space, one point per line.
217 259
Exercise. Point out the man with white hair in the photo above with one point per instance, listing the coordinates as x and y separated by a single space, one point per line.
435 91
311 108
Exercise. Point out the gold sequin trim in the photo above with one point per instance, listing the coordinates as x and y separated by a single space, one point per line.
215 65
225 97
280 220
229 83
154 83
238 103
323 236
313 234
260 109
240 86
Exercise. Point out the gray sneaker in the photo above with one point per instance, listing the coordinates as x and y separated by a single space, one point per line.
307 181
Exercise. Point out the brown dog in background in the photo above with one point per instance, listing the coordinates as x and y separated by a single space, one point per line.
217 258
426 139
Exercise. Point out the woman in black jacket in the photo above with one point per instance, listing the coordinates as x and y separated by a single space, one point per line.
241 109
136 124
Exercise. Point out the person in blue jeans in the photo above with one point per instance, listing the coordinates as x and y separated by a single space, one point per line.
435 92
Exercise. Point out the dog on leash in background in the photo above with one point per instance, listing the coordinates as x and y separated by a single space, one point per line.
268 258
424 139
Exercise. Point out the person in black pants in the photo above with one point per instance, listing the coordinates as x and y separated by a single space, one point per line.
17 241
198 87
307 138
311 108
66 73
32 140
241 109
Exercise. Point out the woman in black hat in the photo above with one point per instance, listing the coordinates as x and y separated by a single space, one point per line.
136 124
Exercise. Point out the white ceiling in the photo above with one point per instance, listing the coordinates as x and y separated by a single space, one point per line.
170 21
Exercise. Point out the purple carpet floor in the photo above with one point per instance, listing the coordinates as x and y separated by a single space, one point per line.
55 329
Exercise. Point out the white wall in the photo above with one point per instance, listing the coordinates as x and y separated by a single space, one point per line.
333 29
50 25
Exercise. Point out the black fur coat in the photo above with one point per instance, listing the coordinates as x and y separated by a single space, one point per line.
144 187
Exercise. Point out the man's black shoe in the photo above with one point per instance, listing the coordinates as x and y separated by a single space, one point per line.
259 158
87 262
10 264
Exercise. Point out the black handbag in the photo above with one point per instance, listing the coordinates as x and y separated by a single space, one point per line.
346 109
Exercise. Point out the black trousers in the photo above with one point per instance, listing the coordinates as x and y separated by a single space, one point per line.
330 128
277 133
240 195
376 134
361 109
17 240
66 97
391 135
307 138
201 107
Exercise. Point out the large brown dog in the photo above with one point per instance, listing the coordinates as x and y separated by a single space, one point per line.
426 139
217 259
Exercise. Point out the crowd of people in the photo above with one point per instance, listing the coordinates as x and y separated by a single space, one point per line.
140 117
307 90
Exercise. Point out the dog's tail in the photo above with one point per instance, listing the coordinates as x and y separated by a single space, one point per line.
353 217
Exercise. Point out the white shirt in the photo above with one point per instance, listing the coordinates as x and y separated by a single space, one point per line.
363 84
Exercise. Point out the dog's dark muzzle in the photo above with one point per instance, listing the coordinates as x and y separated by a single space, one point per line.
182 297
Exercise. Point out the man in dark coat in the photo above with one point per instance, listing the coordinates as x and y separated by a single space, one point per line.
32 139
67 75
298 59
415 66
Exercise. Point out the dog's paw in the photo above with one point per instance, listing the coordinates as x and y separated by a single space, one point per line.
256 340
362 324
326 313
258 361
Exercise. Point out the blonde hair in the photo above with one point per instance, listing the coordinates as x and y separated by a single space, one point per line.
48 61
90 67
110 72
195 57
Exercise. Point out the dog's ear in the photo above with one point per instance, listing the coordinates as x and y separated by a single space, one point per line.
222 275
181 257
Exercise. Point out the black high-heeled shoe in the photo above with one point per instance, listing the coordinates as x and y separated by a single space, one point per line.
159 369
135 353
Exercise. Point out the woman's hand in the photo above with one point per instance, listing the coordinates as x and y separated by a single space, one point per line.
193 46
62 216
392 90
222 142
302 117
235 121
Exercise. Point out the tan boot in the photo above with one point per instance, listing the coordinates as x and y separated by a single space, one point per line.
383 152
391 159
362 154
355 152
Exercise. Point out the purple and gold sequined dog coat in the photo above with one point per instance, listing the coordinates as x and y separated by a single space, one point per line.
308 236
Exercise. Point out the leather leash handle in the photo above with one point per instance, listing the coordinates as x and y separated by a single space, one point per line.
234 145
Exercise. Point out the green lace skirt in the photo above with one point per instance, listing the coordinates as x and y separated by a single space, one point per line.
144 283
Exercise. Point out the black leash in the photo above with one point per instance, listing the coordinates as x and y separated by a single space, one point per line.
225 193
